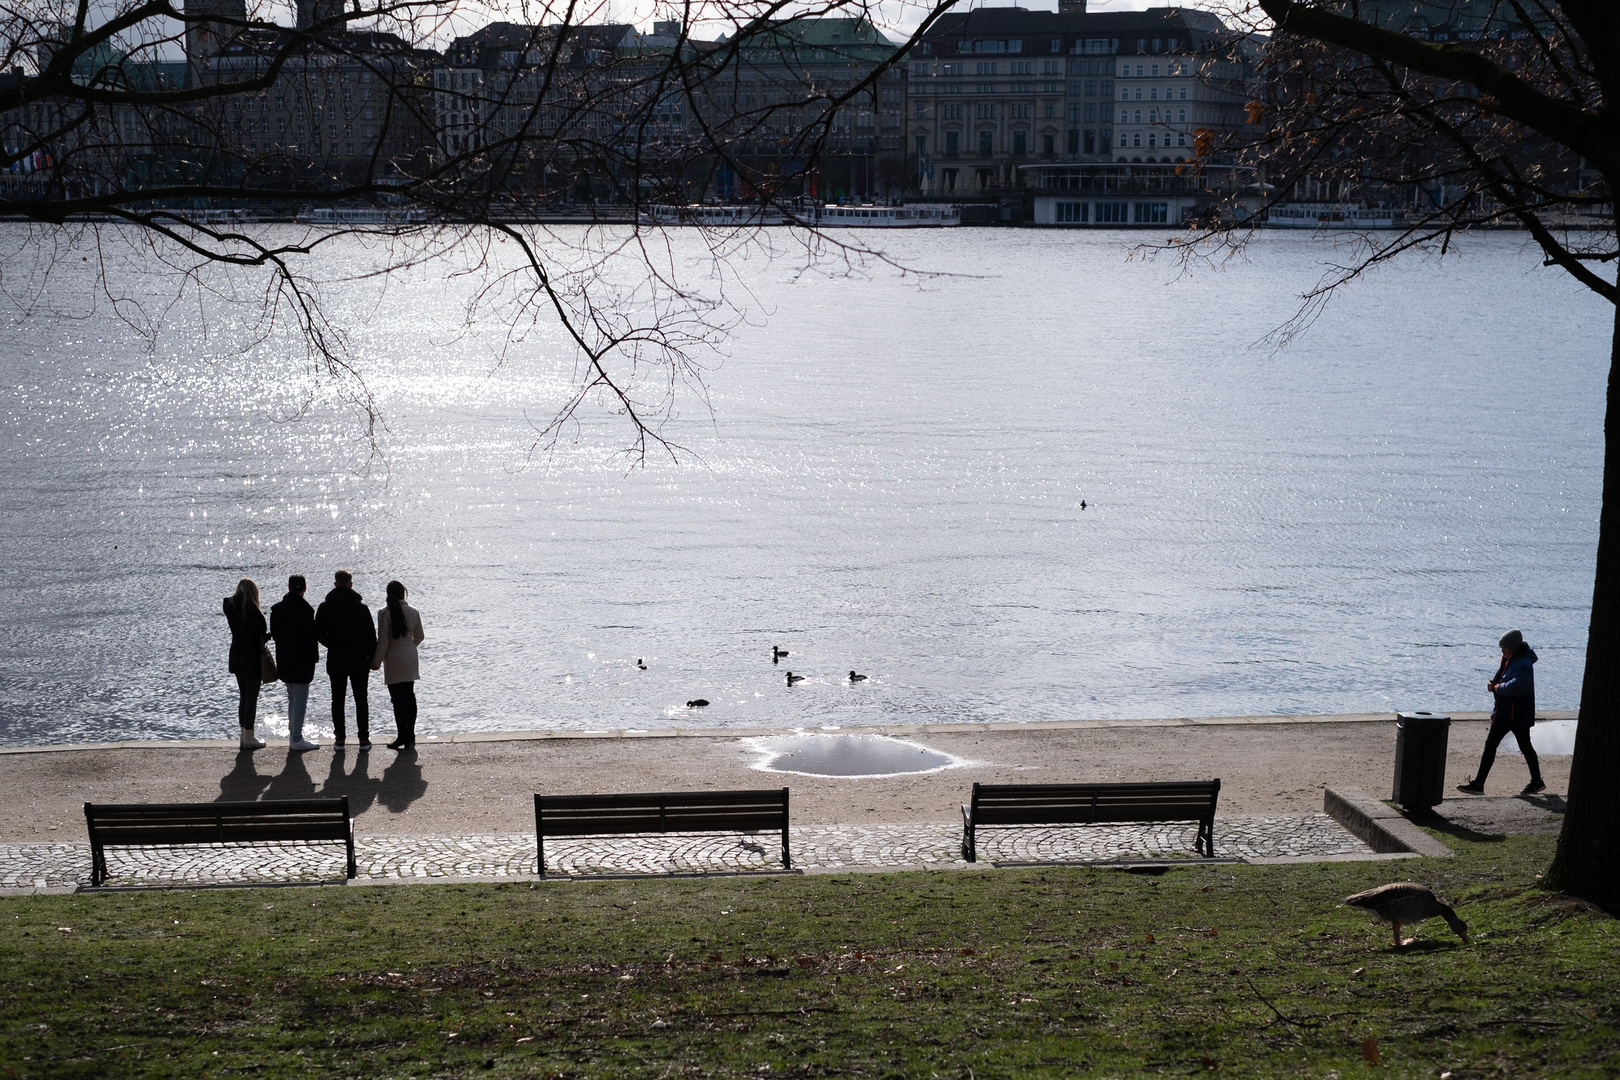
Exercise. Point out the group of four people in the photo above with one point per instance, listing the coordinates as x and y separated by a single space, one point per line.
354 649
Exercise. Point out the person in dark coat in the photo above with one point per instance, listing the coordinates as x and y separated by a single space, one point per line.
343 624
248 635
292 625
1515 690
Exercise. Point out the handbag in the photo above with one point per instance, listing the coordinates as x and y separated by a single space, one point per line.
267 665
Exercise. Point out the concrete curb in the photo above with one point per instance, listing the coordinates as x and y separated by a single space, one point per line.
906 730
1381 827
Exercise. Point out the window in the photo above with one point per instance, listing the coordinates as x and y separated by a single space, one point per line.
281 104
1153 116
985 69
1057 44
1020 143
1183 93
1183 117
1091 112
1138 119
1049 145
953 144
1112 213
1122 138
1051 109
1074 142
1091 142
1138 93
1072 213
922 111
1181 139
281 125
1153 94
987 142
1151 138
1155 66
1154 213
922 146
1138 140
1124 94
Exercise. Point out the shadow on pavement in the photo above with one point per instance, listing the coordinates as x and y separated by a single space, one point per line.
358 784
402 782
244 782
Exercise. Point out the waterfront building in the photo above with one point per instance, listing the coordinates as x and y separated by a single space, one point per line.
1004 102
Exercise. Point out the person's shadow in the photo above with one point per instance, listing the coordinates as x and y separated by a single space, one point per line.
402 782
244 782
360 787
293 781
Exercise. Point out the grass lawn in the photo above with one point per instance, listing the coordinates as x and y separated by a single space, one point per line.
1251 971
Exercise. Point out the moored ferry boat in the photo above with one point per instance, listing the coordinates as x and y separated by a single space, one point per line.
704 214
358 215
833 216
1329 216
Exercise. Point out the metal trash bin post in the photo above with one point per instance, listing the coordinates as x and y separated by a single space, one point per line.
1420 760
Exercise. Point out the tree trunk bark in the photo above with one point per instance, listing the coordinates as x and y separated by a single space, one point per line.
1588 860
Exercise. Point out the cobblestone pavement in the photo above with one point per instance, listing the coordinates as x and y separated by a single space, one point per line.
814 847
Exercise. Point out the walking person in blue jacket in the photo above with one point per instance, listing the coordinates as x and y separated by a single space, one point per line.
1515 690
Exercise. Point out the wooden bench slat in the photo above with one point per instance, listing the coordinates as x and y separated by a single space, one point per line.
1092 804
176 824
660 812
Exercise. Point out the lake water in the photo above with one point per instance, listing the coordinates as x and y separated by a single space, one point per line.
886 475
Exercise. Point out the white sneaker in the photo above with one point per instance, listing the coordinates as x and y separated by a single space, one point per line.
251 741
302 743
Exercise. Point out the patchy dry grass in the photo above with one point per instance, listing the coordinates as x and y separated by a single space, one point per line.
1251 971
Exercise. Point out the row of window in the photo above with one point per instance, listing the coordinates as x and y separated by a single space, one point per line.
1086 45
1112 213
1153 93
1134 116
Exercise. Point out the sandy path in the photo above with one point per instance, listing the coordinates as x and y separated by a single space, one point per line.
485 787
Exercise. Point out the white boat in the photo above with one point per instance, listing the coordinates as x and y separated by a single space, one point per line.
1329 216
714 216
358 215
880 217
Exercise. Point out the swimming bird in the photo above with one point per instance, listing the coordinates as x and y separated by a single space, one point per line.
642 664
1082 504
777 654
1404 902
697 703
792 678
856 678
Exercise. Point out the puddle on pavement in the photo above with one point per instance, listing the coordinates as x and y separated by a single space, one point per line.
848 755
1555 737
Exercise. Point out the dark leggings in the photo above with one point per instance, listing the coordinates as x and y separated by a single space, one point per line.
403 695
247 702
1521 735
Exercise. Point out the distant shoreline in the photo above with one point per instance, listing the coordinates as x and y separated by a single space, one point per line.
910 730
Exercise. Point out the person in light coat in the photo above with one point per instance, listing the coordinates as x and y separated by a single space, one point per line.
399 632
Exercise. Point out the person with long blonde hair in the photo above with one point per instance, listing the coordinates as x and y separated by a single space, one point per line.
248 635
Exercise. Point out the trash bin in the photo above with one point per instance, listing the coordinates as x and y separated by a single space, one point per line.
1420 759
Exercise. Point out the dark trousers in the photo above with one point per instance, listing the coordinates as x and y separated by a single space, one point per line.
1521 735
362 711
247 701
403 695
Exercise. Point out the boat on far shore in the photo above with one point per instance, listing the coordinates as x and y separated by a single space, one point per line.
712 216
1331 216
834 216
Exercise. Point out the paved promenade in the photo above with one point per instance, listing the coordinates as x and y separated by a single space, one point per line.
461 808
815 848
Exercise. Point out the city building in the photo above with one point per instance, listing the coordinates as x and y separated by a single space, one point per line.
1008 103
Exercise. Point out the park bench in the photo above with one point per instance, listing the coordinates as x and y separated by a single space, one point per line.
661 812
142 824
1091 804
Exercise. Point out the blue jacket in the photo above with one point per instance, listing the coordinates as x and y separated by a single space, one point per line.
1516 691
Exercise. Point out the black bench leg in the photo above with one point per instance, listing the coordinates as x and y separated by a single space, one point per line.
787 862
1206 833
970 851
98 865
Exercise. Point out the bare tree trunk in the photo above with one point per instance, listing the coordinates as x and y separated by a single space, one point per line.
1588 859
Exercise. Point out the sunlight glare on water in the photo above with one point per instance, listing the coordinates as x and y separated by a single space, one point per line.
889 480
